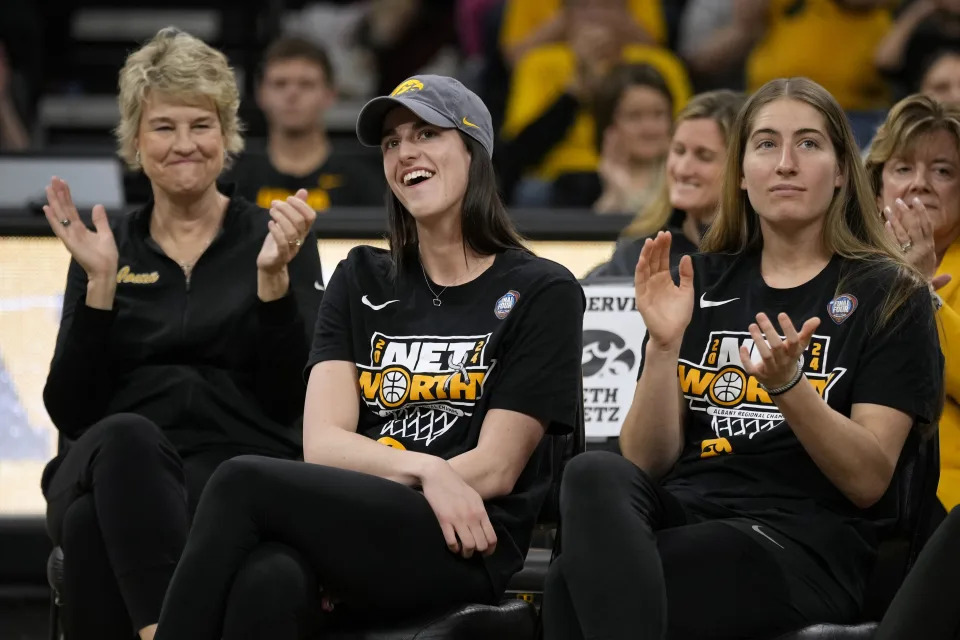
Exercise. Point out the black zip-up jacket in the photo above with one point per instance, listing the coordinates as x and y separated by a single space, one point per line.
204 358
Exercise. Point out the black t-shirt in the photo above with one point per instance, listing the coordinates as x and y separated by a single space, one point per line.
509 339
623 262
344 180
739 455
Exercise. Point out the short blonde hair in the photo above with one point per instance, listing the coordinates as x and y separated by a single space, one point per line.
180 65
908 121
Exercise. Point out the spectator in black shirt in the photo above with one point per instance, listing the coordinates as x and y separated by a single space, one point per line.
185 327
295 90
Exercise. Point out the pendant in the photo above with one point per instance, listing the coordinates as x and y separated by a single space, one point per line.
436 302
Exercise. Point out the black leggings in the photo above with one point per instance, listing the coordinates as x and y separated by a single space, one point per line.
119 506
269 535
637 564
926 604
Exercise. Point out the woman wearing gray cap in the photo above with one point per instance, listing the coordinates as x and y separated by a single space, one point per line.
458 350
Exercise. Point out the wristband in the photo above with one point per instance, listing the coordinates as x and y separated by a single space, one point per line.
776 391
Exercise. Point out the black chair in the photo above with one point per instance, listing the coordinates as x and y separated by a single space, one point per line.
914 491
514 619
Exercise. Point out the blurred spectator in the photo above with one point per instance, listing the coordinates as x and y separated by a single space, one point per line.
714 43
405 36
922 30
549 131
295 90
633 110
690 193
22 54
13 133
829 41
528 25
941 78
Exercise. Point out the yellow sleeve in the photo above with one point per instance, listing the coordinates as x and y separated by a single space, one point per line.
948 326
539 78
521 17
650 16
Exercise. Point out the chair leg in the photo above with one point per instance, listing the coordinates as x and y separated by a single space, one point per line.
54 617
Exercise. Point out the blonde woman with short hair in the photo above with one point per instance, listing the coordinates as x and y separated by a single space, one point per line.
185 329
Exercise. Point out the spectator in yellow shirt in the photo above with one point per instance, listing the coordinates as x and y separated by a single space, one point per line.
563 77
914 165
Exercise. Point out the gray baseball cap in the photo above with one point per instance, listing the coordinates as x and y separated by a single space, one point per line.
437 100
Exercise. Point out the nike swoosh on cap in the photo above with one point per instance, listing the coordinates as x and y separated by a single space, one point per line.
469 124
376 307
704 303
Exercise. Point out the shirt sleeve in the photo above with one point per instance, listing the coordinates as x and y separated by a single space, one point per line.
80 383
540 374
332 336
283 342
901 365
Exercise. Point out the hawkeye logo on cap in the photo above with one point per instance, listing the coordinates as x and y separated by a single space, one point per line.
411 84
469 124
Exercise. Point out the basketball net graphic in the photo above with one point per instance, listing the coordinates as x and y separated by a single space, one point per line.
420 424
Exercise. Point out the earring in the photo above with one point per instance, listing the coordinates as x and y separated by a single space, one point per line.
138 156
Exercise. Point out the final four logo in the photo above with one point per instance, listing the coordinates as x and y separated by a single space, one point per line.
426 383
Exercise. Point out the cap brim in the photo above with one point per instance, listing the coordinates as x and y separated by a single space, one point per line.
372 115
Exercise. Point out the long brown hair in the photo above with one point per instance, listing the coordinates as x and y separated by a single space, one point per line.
851 229
721 106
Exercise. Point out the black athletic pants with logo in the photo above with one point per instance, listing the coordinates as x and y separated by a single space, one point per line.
637 564
270 537
119 505
926 604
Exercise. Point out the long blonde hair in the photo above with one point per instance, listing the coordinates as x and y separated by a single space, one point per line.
721 106
852 228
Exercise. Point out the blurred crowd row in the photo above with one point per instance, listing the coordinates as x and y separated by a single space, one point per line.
583 92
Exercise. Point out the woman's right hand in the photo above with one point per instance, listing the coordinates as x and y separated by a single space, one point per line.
666 308
95 252
460 511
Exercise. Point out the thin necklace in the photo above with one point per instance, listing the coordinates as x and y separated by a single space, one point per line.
436 296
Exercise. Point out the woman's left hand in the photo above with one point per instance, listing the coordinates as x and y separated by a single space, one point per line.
292 220
912 229
780 358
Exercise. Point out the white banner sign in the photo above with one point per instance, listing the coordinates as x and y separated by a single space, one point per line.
612 339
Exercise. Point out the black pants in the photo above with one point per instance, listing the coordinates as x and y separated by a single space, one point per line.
638 564
926 604
270 534
119 505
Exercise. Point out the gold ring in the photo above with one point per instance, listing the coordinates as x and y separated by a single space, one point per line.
296 242
906 246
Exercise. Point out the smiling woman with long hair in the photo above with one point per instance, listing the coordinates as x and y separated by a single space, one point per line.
437 368
782 374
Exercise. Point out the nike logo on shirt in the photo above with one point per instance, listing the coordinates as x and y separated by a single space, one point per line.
376 307
704 303
756 528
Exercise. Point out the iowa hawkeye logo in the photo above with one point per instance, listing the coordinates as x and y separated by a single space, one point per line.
424 383
739 408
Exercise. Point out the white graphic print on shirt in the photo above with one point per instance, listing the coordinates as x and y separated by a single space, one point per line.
738 407
426 384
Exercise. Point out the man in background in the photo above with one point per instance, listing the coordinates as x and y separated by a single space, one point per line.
296 89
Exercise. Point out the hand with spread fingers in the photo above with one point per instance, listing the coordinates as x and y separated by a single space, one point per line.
780 357
95 251
290 224
911 227
666 308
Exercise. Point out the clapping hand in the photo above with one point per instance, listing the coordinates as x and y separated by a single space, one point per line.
780 358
